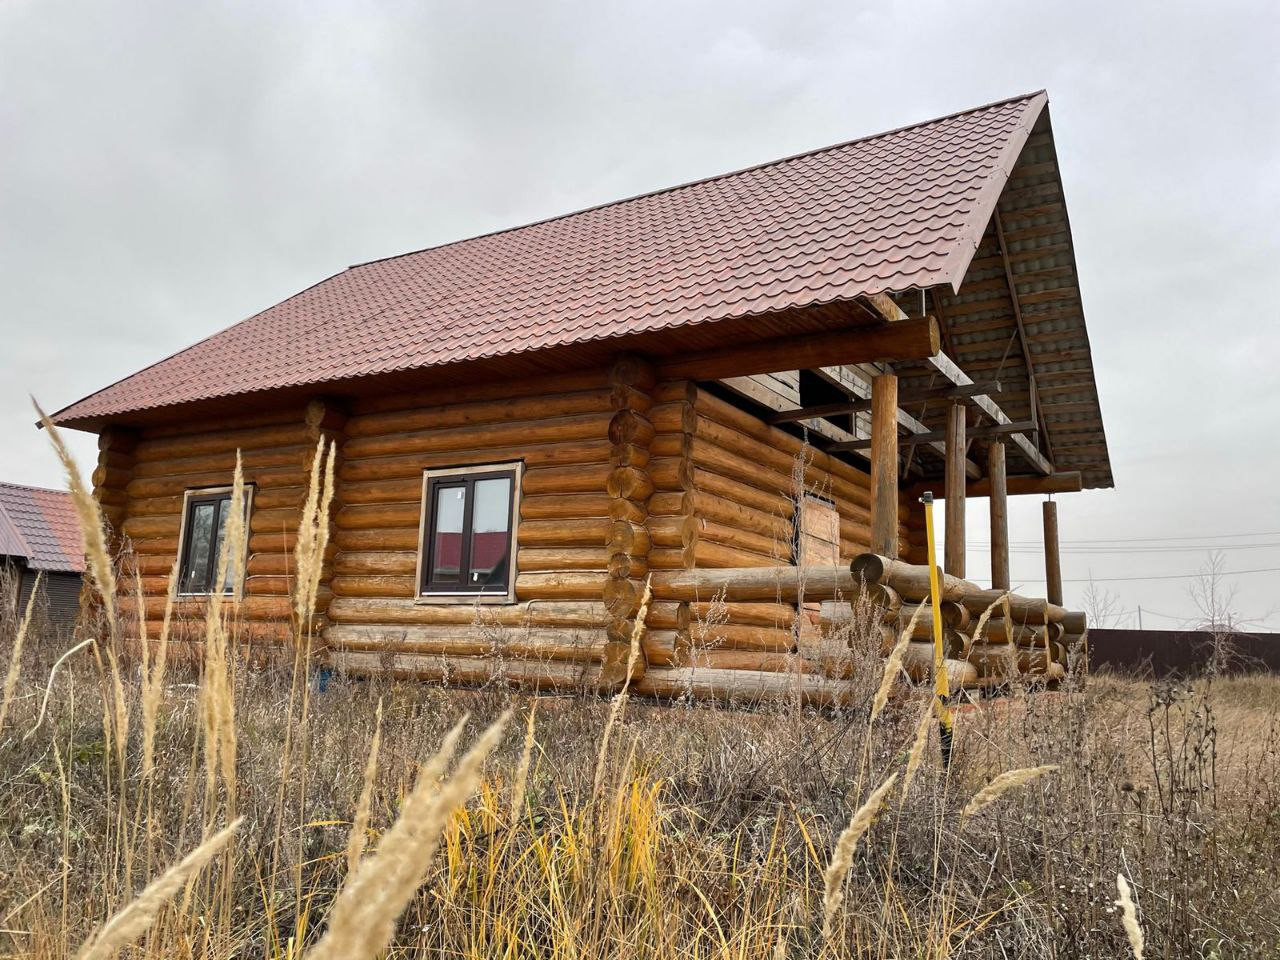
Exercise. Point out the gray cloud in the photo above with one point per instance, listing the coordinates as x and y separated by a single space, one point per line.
168 169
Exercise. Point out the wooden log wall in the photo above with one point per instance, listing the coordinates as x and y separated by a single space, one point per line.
276 450
570 530
726 486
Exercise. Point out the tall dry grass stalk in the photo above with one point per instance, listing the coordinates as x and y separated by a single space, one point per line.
136 918
363 918
101 570
153 671
620 699
918 743
976 636
1129 917
893 665
15 655
842 856
522 769
1009 780
360 822
313 532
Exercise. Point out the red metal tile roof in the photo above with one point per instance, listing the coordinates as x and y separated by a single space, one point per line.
40 526
891 212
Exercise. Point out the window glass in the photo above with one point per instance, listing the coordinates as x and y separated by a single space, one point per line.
490 532
468 541
200 537
446 546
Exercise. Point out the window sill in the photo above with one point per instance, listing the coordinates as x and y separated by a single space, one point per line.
470 599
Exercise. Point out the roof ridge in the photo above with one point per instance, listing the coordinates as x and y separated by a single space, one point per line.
702 180
28 486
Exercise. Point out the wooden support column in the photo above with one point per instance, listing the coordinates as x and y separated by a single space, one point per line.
1052 558
999 516
956 481
630 485
884 465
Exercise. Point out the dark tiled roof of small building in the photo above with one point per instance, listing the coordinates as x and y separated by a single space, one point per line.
40 526
896 211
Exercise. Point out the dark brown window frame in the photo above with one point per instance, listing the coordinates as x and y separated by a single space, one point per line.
435 478
190 500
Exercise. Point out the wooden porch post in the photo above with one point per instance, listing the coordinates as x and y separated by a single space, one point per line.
953 562
884 465
1052 559
999 516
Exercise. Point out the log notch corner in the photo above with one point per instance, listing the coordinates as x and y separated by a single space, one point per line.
629 487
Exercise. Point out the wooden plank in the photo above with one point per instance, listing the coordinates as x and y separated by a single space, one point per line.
864 406
903 340
936 436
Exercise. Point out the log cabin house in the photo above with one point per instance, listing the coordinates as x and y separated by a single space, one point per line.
738 387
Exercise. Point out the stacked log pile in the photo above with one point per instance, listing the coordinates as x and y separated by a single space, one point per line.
997 636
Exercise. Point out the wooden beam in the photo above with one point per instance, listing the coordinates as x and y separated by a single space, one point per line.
884 465
1052 557
949 369
864 406
999 517
857 381
953 561
904 340
1065 482
935 436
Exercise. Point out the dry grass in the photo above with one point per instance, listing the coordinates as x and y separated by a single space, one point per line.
598 831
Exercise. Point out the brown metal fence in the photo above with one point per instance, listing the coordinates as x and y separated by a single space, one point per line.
1163 653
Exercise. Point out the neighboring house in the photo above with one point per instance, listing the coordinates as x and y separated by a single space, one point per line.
40 537
530 423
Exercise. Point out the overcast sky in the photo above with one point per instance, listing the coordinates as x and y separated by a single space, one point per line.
167 169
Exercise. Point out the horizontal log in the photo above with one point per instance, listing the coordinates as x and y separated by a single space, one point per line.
534 559
903 340
479 412
716 409
1062 482
762 614
561 585
707 553
478 390
702 530
668 616
629 538
718 485
469 671
565 506
376 585
772 583
361 562
500 644
559 480
264 478
623 566
556 453
535 613
739 686
633 511
291 456
917 663
955 616
909 580
673 417
674 391
668 473
221 441
732 636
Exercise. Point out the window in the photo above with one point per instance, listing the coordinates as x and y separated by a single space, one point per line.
468 523
204 527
